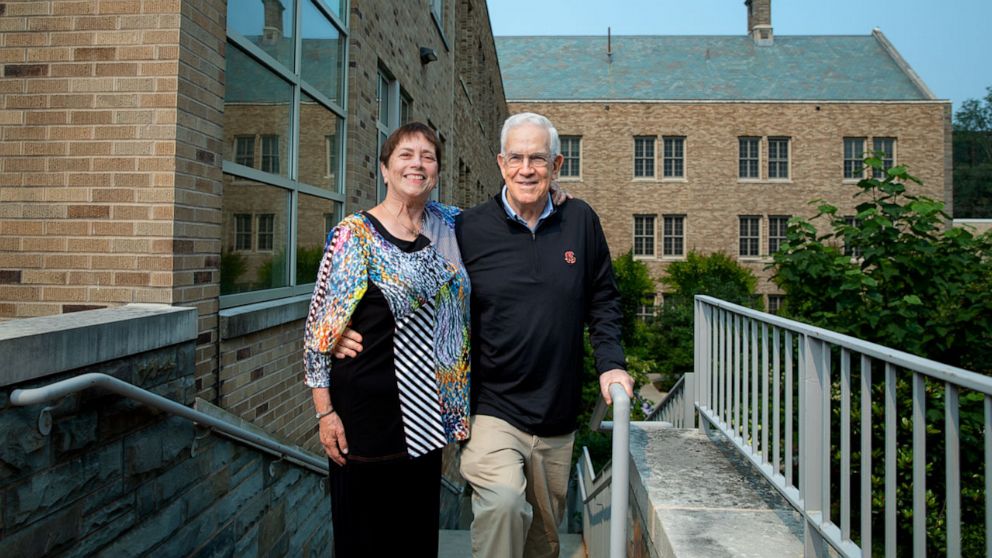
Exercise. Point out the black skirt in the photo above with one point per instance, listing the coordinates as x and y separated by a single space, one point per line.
386 508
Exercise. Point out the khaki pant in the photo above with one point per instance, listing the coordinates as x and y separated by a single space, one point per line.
519 482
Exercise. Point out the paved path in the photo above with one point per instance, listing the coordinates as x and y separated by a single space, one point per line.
458 544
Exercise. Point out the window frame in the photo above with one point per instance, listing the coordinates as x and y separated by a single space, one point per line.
291 182
854 161
756 159
889 160
653 236
753 240
673 219
778 225
781 162
574 158
679 159
646 141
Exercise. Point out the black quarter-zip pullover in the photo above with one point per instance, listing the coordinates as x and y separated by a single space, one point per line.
531 295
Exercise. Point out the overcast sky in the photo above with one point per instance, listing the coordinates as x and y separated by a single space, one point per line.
947 42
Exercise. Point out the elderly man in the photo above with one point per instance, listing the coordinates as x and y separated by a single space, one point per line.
539 272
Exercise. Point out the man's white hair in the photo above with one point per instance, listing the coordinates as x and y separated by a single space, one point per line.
554 144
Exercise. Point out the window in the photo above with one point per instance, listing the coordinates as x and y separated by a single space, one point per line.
570 151
266 231
674 158
270 154
777 226
284 130
775 303
673 243
778 158
330 220
647 310
854 158
242 231
643 157
885 149
750 234
748 159
390 102
405 104
644 235
852 251
244 150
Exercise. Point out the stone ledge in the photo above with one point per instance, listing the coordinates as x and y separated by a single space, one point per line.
697 498
37 347
250 318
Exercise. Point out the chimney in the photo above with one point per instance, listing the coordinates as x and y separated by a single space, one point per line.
272 29
759 21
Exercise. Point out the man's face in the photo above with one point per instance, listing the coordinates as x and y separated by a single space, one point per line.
527 166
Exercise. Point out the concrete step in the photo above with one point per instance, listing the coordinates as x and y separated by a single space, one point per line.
458 544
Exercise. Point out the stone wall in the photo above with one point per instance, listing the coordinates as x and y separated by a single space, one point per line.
711 196
118 478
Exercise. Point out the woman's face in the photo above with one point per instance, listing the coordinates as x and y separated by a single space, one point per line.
411 172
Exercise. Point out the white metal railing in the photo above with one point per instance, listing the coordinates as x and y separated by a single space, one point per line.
58 390
598 519
675 408
748 364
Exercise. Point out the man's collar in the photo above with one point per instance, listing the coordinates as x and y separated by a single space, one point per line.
548 209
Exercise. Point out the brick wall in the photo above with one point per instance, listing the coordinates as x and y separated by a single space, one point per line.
88 154
711 196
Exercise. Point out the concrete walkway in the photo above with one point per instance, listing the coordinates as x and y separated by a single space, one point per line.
700 498
458 544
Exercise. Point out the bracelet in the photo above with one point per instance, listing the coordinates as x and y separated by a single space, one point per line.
324 414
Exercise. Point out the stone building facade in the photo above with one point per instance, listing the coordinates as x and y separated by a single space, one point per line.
196 152
712 143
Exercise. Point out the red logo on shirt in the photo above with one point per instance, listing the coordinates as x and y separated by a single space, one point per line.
570 257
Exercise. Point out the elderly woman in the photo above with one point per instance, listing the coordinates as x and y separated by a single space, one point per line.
394 275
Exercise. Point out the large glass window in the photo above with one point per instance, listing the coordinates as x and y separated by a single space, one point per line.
570 151
644 235
854 158
644 157
674 163
748 158
284 125
778 158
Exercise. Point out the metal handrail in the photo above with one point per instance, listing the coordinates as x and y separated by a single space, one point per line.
620 469
745 360
57 390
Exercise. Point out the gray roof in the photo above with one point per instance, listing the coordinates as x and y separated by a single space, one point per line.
705 68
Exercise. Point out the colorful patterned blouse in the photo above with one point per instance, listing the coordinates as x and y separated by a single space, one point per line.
428 294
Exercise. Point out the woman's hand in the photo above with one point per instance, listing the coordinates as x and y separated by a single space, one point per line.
348 345
333 439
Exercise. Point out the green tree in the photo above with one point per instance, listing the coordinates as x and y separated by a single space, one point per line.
973 158
717 275
634 283
918 286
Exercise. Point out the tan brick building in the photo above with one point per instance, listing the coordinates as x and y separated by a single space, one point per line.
195 153
711 143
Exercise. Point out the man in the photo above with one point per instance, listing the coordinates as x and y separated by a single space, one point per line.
538 274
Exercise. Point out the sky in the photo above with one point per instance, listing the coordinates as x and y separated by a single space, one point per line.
948 43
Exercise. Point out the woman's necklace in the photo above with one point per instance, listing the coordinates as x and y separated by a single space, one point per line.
413 231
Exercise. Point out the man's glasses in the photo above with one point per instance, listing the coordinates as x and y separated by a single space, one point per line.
536 160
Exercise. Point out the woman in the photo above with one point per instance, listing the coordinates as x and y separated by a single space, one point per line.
394 275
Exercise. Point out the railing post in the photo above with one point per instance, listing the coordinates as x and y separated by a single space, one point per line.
621 470
811 448
688 397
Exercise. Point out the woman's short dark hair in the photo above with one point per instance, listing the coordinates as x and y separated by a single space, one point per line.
404 132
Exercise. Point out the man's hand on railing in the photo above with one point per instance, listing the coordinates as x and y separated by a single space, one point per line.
615 376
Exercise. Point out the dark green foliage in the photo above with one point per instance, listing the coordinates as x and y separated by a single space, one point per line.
973 158
232 267
716 275
919 287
